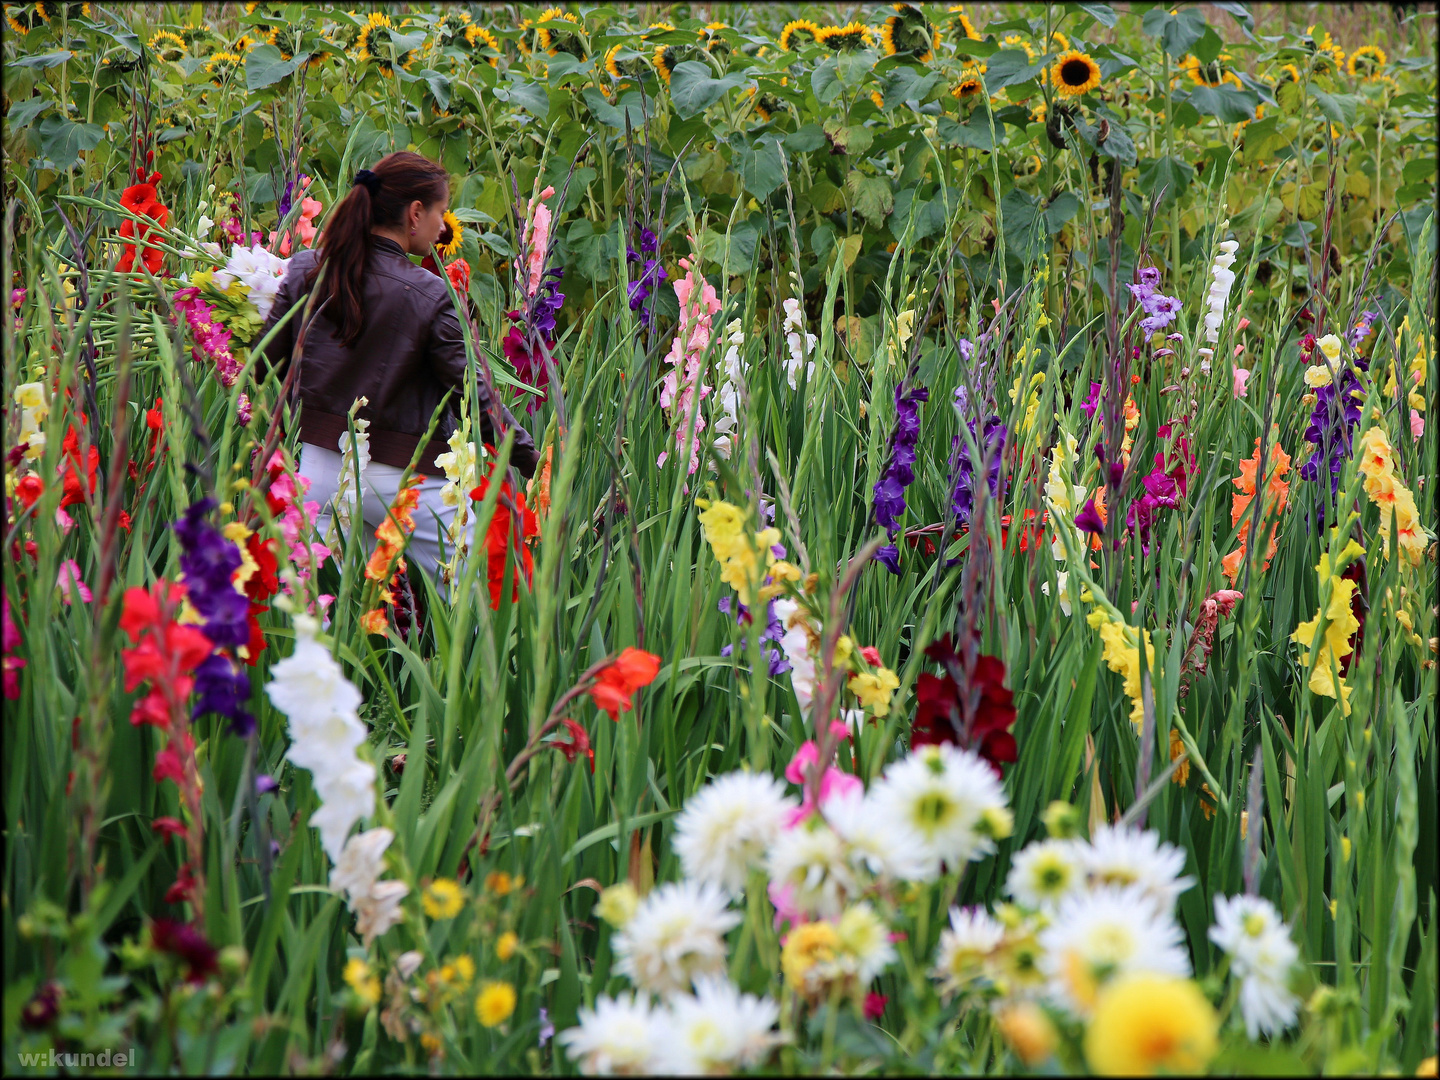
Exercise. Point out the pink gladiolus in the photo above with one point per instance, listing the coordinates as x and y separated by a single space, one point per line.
1242 376
807 755
536 240
1417 425
68 579
698 307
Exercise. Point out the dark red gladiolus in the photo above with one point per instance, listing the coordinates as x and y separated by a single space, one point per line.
187 943
941 716
577 744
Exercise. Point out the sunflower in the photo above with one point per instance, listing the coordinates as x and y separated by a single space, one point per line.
477 38
167 45
1015 41
1059 42
713 41
121 59
1324 51
665 59
376 23
196 34
1216 73
766 105
656 28
909 32
847 38
807 31
453 23
878 98
457 234
969 84
1074 73
1027 167
1037 114
558 41
48 10
960 24
221 66
1288 73
1366 61
244 44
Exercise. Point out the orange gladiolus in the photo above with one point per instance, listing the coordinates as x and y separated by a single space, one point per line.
615 686
1276 500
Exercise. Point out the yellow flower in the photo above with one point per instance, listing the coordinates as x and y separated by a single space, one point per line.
874 691
740 559
809 950
1028 1031
878 98
1122 655
494 1004
1216 73
501 883
1145 1025
166 45
549 40
1317 375
1074 73
506 944
442 899
618 903
960 23
803 29
779 573
851 36
665 59
457 233
221 66
365 985
477 37
1334 645
1015 41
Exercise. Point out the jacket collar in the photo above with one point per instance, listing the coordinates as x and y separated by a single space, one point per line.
384 243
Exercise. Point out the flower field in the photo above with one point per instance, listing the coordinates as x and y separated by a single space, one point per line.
976 609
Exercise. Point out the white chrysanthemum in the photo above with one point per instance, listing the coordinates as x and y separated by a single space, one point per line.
1121 856
676 934
812 860
361 863
1261 953
875 844
865 948
727 826
966 949
1044 873
619 1037
715 1031
940 794
1099 934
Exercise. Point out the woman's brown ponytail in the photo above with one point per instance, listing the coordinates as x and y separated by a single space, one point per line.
380 197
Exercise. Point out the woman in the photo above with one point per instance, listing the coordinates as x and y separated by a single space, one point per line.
387 333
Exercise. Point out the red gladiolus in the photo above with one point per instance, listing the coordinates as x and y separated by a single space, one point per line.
187 943
28 490
70 469
168 826
265 581
616 684
875 1006
166 653
144 200
941 718
577 744
499 539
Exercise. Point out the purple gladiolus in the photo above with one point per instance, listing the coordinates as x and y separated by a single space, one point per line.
1092 401
1160 310
1332 424
1088 520
209 562
991 441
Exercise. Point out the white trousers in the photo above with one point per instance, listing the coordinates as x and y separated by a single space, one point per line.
379 484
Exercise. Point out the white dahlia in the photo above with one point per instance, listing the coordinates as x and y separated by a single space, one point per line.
1044 873
619 1037
811 859
1261 953
968 948
716 1030
676 934
876 844
1122 856
727 826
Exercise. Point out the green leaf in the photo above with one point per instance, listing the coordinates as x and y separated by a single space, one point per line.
693 90
744 239
824 82
44 60
1104 14
1170 173
871 196
762 166
1338 108
1208 47
852 140
974 133
439 89
1010 67
527 95
808 138
23 114
264 67
1179 32
62 141
852 67
1230 105
1061 209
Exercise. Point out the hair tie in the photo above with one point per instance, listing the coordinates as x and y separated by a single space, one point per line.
369 180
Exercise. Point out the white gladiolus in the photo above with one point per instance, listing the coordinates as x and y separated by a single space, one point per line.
1222 280
800 343
347 502
729 396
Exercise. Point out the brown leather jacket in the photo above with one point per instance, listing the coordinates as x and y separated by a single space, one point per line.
409 355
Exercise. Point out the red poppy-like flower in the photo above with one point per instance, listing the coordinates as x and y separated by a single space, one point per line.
186 942
500 539
459 274
616 684
577 744
940 717
144 200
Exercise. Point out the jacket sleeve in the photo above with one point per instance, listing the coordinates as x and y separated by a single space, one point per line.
447 359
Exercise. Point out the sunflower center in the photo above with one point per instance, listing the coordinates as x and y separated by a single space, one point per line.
1075 73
